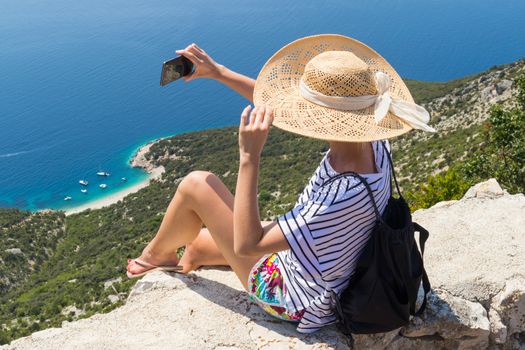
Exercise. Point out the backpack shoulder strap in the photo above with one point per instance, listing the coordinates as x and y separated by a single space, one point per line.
367 186
423 236
389 156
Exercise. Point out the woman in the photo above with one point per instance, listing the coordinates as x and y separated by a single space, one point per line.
329 87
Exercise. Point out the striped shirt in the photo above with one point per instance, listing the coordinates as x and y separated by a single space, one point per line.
327 230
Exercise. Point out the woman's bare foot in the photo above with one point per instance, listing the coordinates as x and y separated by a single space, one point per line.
188 261
201 252
148 260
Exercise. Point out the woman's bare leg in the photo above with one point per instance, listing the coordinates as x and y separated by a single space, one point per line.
200 198
203 251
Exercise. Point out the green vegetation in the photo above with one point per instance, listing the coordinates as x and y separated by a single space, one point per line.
498 151
450 185
503 153
27 240
415 160
55 268
424 92
11 216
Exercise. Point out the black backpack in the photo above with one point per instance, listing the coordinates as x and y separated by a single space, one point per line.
382 292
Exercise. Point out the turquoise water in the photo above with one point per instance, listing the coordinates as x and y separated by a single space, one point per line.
79 81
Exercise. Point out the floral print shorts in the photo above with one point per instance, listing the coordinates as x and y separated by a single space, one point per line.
267 289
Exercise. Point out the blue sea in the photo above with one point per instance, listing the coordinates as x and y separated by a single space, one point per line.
79 80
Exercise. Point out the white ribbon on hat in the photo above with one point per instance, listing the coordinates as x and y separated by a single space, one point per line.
413 114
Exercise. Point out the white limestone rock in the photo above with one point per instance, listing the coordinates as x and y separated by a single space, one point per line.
509 307
476 244
451 322
14 251
487 189
503 85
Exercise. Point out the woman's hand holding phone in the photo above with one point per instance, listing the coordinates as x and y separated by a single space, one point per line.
205 66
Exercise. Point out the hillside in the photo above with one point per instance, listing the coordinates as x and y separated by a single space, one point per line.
27 240
458 116
80 270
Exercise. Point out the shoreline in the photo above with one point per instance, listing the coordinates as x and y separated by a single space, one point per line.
138 160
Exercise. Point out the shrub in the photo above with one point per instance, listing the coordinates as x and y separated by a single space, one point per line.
449 185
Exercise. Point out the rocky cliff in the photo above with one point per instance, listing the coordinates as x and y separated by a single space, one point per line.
475 258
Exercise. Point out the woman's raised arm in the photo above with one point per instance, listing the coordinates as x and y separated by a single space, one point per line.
206 67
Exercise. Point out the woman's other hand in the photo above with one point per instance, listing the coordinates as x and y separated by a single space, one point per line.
253 131
205 66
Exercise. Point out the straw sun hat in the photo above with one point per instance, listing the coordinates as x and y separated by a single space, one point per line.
333 87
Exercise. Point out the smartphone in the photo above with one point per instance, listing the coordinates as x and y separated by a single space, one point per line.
175 69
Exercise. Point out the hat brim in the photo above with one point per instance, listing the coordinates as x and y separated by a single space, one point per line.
277 86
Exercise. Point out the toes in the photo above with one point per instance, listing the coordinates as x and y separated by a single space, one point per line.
187 262
187 268
132 266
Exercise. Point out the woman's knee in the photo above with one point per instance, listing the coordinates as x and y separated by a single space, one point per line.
197 182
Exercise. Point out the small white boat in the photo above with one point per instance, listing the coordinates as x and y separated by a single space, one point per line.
83 190
83 182
103 173
67 198
102 185
124 179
